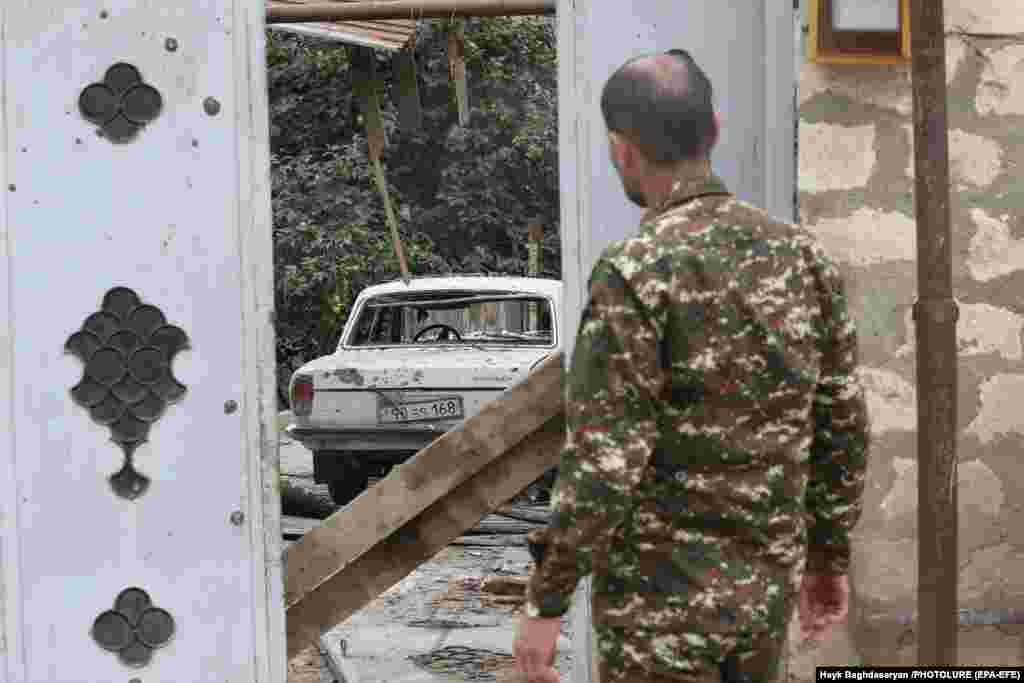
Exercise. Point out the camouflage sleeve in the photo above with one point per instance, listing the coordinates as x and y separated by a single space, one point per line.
838 460
611 390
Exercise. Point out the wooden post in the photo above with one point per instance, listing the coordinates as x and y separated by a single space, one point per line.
935 315
536 236
533 247
285 13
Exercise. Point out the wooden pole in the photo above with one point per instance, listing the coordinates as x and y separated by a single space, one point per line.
280 13
536 235
935 315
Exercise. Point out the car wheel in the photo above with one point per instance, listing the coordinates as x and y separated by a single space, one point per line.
344 491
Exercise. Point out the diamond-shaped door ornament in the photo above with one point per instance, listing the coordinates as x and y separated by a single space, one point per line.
128 349
122 104
134 628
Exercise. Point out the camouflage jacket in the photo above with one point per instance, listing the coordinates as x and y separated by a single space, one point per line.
717 434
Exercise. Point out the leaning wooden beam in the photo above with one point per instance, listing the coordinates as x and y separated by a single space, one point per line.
282 13
396 556
422 505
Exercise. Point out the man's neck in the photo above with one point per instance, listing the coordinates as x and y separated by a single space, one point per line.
659 186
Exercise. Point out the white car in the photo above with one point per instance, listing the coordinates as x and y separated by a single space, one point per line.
413 361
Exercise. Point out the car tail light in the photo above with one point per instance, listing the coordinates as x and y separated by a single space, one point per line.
302 395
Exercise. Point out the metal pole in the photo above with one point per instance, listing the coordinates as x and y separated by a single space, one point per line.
935 316
282 13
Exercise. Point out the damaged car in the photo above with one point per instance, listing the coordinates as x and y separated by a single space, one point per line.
413 361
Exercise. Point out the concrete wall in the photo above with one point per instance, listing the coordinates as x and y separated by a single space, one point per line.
856 194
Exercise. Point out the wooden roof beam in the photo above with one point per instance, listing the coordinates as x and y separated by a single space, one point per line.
286 13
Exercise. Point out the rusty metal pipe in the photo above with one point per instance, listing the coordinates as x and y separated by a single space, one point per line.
935 316
286 13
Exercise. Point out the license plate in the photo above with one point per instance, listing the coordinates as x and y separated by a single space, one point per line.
449 408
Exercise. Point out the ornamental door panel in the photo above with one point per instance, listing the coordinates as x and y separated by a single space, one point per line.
140 521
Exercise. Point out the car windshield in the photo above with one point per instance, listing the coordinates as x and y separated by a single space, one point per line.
477 318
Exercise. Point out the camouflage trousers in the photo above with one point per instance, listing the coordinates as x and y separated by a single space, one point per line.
763 666
760 661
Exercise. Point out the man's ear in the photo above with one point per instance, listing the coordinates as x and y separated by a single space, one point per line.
624 152
716 131
616 147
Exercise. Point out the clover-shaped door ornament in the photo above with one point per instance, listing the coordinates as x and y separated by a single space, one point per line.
122 104
127 348
134 628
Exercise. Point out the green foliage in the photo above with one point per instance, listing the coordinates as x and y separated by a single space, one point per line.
463 195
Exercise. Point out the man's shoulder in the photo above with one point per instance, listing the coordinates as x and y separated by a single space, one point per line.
728 223
643 256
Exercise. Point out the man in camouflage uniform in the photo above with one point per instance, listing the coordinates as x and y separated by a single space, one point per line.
717 432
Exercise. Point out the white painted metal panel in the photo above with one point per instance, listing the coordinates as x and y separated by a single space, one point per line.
181 216
746 47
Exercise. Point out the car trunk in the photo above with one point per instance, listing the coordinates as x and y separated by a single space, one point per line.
413 387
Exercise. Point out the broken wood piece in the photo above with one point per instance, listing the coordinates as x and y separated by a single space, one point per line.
410 110
457 68
505 585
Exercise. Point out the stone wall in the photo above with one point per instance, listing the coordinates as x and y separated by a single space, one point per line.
856 194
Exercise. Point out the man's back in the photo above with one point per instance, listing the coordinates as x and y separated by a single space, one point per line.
721 338
717 433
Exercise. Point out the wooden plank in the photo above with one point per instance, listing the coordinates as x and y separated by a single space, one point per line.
390 560
416 484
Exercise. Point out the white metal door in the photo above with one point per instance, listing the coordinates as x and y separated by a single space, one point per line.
136 322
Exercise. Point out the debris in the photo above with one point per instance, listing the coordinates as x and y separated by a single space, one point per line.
511 541
499 524
505 585
469 583
507 599
528 513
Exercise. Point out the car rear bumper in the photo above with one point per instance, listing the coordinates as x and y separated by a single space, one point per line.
366 438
